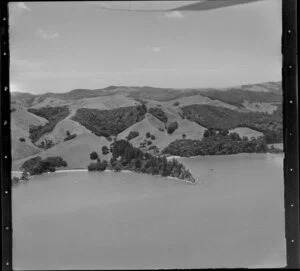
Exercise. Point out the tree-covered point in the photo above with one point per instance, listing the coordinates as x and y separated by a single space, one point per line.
220 118
127 157
132 135
52 114
159 114
37 165
216 145
109 122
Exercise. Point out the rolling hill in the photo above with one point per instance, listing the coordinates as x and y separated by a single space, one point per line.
95 117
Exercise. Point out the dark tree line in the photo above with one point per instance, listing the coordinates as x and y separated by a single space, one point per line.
216 144
110 122
37 165
218 119
159 114
52 114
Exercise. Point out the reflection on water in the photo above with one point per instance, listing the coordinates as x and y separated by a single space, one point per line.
78 220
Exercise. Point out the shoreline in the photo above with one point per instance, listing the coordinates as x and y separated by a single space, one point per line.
108 170
224 155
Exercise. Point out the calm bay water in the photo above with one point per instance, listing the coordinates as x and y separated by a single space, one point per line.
233 218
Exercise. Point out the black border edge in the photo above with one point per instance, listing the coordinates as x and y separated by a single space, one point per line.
5 143
290 122
291 131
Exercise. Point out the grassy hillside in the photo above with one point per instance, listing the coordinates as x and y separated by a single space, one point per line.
87 117
223 118
236 97
52 114
75 152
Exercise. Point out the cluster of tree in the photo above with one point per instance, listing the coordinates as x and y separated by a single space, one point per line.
272 149
37 165
220 118
52 114
109 122
132 134
16 180
22 139
148 135
159 114
98 166
172 127
105 150
69 136
216 145
46 144
153 149
127 157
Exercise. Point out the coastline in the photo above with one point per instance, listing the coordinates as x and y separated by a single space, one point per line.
268 156
242 154
106 170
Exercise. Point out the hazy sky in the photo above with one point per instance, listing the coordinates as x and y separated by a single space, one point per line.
56 47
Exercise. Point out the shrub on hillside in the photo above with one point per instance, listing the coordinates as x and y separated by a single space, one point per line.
93 155
148 135
176 103
172 127
153 137
159 114
105 150
98 166
132 134
71 136
46 144
22 139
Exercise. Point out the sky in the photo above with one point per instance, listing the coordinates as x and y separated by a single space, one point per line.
60 46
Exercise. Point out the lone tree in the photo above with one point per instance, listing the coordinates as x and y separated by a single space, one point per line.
148 135
93 155
105 150
68 133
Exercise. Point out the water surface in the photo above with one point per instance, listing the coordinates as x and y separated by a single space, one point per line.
81 220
